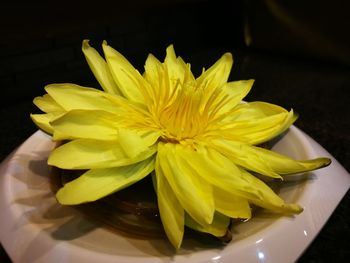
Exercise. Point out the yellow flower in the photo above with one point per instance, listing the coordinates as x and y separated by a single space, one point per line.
194 133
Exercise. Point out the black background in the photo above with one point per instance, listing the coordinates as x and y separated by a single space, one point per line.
298 55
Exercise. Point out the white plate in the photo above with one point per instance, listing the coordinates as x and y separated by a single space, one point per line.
34 228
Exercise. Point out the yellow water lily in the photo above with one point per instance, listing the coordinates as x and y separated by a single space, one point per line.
194 135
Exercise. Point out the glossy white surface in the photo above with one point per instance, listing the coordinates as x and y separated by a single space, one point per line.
34 228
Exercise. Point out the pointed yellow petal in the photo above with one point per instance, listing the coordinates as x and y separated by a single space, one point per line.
153 71
170 209
258 130
217 74
188 77
235 92
43 120
217 228
269 199
94 154
195 195
255 110
98 183
175 69
246 156
229 204
88 124
47 104
100 69
266 162
218 170
75 97
223 173
128 79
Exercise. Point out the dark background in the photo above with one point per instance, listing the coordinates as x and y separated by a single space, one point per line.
298 53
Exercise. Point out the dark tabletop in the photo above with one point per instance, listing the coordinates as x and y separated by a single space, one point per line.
318 91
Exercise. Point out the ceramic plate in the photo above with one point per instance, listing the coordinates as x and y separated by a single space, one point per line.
34 228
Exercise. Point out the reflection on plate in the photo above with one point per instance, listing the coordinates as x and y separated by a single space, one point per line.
34 228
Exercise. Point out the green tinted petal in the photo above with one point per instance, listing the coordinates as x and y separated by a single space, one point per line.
170 209
75 97
218 227
88 124
94 154
284 165
194 194
264 161
98 183
100 69
128 79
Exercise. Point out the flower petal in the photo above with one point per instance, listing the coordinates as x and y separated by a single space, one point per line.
100 69
237 90
246 156
234 92
217 228
75 97
223 173
229 204
47 104
93 154
43 121
260 127
150 137
269 199
170 209
176 71
128 79
217 74
265 162
88 124
153 71
131 143
194 194
98 183
255 110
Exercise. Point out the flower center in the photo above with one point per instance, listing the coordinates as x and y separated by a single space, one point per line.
189 112
181 117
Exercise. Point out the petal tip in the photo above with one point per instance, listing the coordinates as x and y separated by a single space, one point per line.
228 57
292 208
170 52
85 45
325 162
